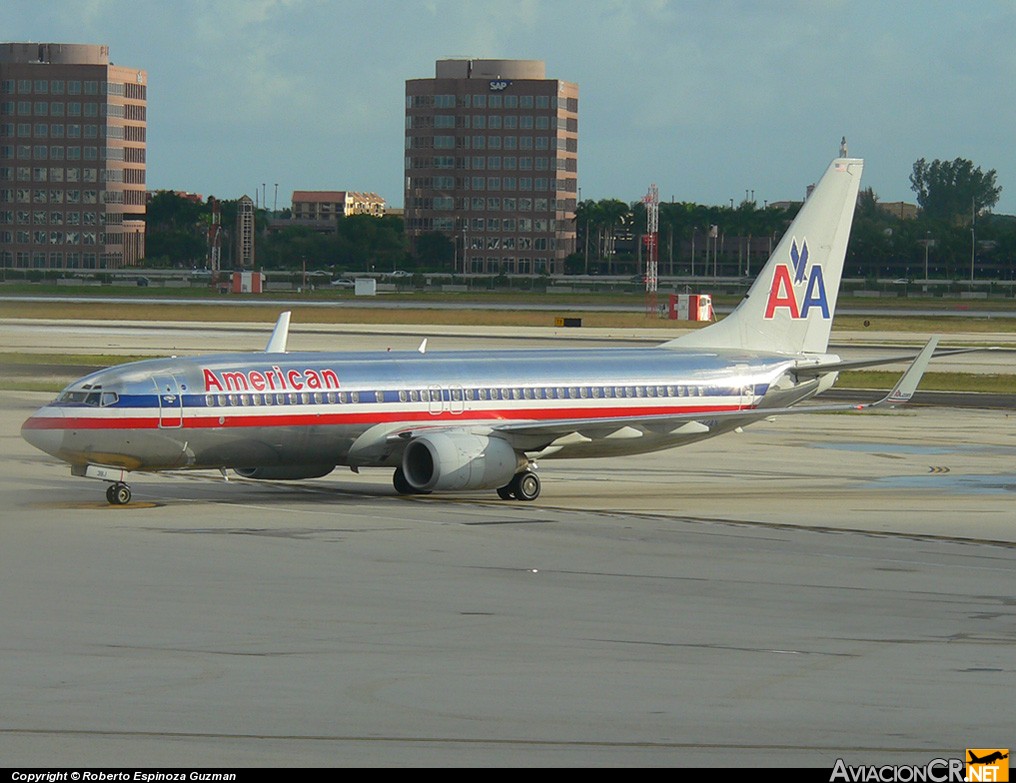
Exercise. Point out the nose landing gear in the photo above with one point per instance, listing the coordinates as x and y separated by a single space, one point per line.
118 494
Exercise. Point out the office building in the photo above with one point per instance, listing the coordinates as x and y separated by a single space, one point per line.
491 161
72 158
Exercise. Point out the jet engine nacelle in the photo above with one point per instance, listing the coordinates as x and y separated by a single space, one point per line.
452 461
285 472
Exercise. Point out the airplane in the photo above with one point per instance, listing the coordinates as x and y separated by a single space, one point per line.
450 421
991 758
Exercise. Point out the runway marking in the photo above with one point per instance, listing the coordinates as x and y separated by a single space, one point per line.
512 522
96 505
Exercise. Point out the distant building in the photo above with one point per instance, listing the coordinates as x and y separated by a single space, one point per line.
491 161
243 257
898 209
333 204
72 158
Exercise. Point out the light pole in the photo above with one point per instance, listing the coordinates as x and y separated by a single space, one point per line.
693 230
275 207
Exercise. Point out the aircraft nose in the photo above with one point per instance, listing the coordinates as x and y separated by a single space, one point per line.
44 430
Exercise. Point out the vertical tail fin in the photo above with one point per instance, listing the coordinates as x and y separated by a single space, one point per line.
790 306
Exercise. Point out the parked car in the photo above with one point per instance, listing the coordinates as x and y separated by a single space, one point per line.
344 282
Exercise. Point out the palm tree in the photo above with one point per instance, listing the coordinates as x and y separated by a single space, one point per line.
614 214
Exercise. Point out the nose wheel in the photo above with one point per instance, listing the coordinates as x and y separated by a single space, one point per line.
118 494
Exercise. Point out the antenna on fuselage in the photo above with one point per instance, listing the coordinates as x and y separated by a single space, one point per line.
423 346
280 334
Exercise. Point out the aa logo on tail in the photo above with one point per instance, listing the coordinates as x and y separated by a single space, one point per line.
799 289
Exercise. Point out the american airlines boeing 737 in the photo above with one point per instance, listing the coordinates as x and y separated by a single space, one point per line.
472 420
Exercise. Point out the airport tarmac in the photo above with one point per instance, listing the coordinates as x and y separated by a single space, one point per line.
815 588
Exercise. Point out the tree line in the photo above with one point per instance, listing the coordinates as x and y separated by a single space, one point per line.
952 232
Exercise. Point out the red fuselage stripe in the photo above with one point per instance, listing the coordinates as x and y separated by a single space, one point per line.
191 420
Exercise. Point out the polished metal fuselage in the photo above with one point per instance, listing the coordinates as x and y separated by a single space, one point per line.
264 409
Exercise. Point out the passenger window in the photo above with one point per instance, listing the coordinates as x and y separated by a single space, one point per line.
354 396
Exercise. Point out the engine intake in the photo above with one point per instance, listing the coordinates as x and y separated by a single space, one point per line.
446 462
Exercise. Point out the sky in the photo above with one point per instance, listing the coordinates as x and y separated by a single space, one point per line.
710 100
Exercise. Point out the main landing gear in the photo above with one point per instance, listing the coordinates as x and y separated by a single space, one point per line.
118 494
524 486
403 487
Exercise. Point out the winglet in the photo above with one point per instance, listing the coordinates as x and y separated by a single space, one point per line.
280 334
907 385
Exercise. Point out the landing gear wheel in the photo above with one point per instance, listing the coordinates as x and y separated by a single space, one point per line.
506 493
526 486
118 494
402 486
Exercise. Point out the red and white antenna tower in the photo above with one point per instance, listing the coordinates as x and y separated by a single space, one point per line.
652 202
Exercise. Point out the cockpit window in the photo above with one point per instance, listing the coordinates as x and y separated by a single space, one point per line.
89 397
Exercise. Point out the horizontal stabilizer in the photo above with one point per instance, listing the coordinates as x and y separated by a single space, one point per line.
815 370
